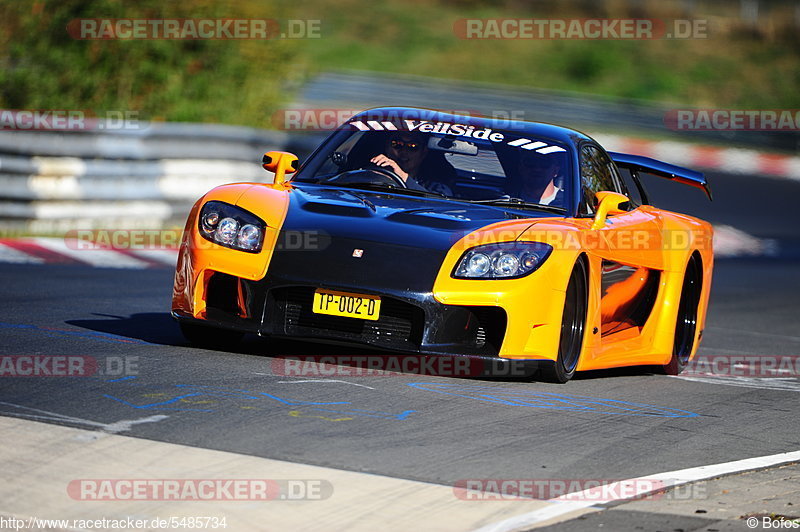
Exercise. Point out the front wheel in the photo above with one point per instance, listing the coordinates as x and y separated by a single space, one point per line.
210 337
573 324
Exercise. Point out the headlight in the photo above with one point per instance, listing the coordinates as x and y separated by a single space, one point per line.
232 227
226 231
249 237
504 260
477 265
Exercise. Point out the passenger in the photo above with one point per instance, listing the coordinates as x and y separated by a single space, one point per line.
542 179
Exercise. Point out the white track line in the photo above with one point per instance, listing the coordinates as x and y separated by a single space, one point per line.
755 333
732 242
325 380
168 257
113 428
637 487
9 254
785 384
105 258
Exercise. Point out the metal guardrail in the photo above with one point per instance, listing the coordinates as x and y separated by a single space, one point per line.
362 90
54 181
149 141
148 176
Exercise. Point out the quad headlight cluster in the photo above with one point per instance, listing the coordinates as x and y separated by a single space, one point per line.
232 227
503 260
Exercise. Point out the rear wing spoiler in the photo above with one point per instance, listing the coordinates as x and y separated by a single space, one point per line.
637 163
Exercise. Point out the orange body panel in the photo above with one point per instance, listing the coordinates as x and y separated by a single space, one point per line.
198 257
614 304
534 303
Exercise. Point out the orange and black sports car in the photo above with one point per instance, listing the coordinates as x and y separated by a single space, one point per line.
419 231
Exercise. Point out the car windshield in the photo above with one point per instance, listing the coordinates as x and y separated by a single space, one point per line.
503 167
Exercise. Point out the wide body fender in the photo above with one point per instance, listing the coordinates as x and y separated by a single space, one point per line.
198 258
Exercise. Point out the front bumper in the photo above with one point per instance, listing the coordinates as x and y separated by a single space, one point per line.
411 322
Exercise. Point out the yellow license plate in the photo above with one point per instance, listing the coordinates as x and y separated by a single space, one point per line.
347 304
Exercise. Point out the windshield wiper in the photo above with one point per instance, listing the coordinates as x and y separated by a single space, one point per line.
517 202
387 188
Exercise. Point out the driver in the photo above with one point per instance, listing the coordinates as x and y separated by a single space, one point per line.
404 154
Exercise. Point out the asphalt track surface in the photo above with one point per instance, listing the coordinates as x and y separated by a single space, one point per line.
612 424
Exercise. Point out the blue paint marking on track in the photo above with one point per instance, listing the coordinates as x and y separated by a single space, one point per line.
122 379
233 392
195 391
553 401
94 335
161 405
214 391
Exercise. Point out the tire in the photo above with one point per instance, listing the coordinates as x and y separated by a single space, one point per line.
686 323
573 327
210 337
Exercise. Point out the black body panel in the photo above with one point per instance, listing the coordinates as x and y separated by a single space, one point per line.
403 239
409 321
402 242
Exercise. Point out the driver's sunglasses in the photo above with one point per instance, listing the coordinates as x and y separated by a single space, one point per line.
407 145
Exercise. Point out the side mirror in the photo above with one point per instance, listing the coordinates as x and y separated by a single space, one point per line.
608 203
280 163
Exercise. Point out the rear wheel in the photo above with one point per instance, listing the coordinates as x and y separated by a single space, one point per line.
210 337
686 324
573 324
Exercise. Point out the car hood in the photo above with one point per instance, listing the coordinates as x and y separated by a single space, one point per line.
401 219
373 240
